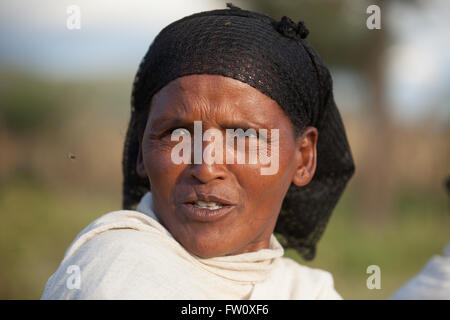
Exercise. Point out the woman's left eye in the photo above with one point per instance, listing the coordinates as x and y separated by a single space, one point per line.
177 132
251 133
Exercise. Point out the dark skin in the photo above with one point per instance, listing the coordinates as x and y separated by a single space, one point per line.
221 103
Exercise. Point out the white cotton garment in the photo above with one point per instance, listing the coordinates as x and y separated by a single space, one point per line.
128 254
432 283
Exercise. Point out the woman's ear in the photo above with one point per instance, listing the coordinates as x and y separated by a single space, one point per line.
140 168
306 155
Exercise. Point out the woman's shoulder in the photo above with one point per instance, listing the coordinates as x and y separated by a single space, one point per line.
128 221
121 252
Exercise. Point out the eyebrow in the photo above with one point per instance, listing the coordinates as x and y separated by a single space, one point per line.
164 122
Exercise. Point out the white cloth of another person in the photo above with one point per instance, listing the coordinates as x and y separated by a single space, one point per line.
432 282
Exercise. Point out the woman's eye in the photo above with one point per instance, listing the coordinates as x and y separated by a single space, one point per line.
247 133
182 131
178 132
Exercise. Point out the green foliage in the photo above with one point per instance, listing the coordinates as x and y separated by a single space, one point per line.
27 111
38 225
28 105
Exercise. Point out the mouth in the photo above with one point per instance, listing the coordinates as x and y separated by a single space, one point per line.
209 205
209 208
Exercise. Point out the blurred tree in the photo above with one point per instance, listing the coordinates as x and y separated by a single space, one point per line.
29 108
28 105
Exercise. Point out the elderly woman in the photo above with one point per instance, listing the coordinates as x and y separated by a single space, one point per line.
199 210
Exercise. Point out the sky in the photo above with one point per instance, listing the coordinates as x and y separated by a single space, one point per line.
419 62
114 36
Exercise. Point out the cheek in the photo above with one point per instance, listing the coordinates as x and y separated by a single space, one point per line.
268 190
161 171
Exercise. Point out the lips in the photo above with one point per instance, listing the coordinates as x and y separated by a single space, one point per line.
208 198
203 207
207 205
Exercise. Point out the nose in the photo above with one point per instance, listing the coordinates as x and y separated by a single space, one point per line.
207 172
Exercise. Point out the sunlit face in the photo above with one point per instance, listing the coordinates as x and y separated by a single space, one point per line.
249 202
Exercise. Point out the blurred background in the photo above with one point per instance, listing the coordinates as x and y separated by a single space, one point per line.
64 110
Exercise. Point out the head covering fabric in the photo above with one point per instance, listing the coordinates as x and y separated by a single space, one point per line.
275 58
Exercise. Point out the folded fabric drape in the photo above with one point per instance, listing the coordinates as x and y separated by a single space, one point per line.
128 254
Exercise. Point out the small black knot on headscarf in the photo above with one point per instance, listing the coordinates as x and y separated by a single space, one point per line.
292 30
232 7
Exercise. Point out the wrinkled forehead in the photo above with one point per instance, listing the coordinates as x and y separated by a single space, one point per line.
215 97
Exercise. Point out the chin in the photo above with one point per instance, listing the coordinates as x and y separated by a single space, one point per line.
205 247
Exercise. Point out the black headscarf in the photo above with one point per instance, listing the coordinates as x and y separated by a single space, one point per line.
273 57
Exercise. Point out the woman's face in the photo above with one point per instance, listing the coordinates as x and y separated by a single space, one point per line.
247 203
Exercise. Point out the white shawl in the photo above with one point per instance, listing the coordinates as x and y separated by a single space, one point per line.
128 254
